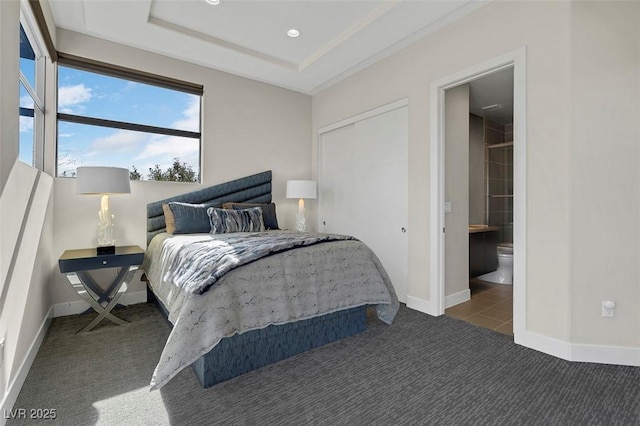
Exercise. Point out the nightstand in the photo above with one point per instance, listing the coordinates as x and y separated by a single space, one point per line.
75 264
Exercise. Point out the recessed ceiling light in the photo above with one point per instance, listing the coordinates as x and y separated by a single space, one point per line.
213 2
293 33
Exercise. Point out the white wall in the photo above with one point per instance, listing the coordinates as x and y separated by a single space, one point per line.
582 153
247 127
605 172
27 198
10 48
456 147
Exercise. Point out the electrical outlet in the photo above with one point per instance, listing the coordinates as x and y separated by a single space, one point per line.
608 308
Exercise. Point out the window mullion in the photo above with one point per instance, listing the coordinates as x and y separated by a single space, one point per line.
81 119
39 119
36 100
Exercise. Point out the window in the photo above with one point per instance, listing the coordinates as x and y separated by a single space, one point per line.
31 104
110 116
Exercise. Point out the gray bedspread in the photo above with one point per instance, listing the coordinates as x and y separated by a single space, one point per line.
197 266
288 286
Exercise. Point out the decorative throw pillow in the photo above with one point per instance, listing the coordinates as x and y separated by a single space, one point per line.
190 218
223 221
268 212
169 220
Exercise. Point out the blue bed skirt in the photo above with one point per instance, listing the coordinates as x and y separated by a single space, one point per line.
245 352
249 351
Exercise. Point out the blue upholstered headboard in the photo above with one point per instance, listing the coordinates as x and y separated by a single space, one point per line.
250 189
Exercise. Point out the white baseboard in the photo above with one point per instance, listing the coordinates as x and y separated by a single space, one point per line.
79 306
606 354
578 352
15 386
426 307
456 298
544 344
421 305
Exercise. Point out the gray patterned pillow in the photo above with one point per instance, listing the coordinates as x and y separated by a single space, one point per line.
224 221
268 212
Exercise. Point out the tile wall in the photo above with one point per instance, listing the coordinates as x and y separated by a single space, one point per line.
499 178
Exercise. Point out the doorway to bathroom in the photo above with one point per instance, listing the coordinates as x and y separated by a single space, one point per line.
489 146
478 194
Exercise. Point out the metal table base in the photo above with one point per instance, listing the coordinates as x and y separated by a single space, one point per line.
102 301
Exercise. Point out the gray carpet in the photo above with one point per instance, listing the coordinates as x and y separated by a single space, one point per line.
421 370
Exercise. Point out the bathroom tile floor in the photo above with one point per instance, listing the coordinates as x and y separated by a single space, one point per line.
491 306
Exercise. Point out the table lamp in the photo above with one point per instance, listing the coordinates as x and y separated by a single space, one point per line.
104 181
301 189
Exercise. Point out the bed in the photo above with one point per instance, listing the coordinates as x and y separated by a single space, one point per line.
276 293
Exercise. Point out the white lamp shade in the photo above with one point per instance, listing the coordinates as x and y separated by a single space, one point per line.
301 189
102 180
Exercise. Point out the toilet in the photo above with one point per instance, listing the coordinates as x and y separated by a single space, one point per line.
504 273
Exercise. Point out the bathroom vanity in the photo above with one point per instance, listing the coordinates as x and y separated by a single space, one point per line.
483 242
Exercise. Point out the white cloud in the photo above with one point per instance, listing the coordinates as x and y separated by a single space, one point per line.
26 101
191 120
163 149
169 146
120 141
72 96
26 124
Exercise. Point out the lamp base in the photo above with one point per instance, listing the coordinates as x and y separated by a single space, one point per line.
105 250
301 223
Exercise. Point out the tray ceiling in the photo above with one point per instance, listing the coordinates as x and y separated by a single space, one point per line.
248 38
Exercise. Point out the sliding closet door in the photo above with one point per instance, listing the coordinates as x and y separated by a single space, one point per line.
363 187
336 181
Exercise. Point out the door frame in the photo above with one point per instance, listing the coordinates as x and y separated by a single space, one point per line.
515 59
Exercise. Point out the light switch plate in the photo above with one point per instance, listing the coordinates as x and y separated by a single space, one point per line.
447 206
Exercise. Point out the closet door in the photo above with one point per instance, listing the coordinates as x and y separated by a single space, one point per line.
336 181
363 187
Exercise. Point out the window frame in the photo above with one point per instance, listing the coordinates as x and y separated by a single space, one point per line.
32 32
129 74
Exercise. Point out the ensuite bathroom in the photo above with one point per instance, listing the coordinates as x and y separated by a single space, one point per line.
491 172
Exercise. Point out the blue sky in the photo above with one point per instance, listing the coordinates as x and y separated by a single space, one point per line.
96 95
26 123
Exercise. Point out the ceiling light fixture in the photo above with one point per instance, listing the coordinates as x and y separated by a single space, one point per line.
293 33
213 2
493 107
